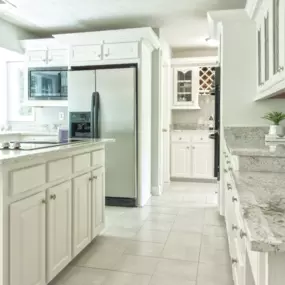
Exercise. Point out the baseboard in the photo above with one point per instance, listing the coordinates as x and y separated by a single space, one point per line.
156 190
120 202
202 180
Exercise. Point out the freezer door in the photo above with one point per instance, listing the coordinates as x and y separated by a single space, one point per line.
81 85
117 89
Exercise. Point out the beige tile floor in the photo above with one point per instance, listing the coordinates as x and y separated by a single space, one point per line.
178 238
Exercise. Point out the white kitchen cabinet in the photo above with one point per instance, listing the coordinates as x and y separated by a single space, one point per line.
57 57
86 54
120 51
58 228
36 57
27 241
186 87
180 159
98 200
202 160
81 212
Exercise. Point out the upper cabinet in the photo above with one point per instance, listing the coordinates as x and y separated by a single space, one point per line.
270 37
85 53
186 87
120 51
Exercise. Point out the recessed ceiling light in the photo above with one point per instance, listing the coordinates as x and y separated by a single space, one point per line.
211 42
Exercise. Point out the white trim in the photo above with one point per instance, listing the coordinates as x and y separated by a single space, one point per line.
251 7
195 61
156 190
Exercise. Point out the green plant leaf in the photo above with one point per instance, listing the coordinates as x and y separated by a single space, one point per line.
275 117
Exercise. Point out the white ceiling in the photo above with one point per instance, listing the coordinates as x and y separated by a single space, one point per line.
183 23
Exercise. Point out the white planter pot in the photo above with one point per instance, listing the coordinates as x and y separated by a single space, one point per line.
275 130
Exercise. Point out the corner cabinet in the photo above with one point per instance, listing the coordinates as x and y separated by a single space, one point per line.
186 87
270 37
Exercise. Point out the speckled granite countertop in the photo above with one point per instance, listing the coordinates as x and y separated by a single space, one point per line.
8 156
262 202
251 142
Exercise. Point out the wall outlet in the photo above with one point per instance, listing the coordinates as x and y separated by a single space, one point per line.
61 116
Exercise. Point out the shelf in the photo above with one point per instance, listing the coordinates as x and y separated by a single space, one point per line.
187 107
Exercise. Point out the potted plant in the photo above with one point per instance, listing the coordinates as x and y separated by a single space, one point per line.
276 118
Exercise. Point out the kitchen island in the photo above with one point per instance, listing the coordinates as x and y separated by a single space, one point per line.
52 206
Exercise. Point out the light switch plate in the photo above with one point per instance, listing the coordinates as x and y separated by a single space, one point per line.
61 116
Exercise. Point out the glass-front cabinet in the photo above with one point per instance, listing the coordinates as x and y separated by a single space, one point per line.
186 87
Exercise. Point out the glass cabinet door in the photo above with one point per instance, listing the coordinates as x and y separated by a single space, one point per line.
184 86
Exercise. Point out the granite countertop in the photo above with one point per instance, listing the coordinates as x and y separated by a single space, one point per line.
27 133
7 156
243 143
262 202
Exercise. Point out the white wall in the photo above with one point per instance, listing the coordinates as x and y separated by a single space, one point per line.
194 52
11 34
239 71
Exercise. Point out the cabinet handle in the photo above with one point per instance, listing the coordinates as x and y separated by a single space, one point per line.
44 201
225 171
234 199
234 227
53 197
226 156
229 186
234 261
242 234
94 177
180 139
187 147
90 178
228 162
230 168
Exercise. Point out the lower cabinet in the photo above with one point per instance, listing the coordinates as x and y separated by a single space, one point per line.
59 228
202 160
81 212
180 160
28 241
98 200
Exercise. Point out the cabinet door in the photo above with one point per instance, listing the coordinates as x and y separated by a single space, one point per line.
180 160
59 228
27 241
120 51
36 57
57 57
81 213
202 160
186 86
85 53
98 200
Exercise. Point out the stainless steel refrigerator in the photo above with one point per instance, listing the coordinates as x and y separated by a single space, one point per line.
110 95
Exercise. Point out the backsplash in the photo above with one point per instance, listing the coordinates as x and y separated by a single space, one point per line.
195 117
45 119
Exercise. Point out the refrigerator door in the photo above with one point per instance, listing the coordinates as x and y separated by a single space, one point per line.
81 85
117 89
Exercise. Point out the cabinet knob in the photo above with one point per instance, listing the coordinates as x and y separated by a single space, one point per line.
230 168
228 162
53 197
229 186
234 227
242 234
225 171
226 156
43 201
234 199
94 177
91 178
193 147
234 261
180 139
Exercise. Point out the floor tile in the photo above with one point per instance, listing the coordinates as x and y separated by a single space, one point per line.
163 210
151 236
218 231
215 242
121 232
188 225
174 268
156 225
212 217
184 239
181 252
211 255
124 278
161 217
144 248
192 212
170 280
82 276
102 260
109 244
137 264
214 274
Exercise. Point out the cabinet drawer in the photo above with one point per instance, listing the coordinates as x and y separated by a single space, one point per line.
81 162
201 138
85 53
120 51
22 180
98 158
59 169
180 138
